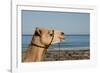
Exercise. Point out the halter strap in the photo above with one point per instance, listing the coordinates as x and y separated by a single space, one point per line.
47 45
51 39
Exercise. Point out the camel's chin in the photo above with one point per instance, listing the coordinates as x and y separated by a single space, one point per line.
56 42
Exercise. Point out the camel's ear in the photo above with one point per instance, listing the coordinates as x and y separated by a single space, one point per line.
37 31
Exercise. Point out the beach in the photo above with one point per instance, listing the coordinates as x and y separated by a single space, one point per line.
66 54
59 55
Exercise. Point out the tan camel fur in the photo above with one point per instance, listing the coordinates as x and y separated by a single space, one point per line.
41 40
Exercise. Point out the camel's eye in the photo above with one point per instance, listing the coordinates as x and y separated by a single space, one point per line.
50 33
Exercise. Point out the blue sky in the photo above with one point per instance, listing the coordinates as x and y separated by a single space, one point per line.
68 22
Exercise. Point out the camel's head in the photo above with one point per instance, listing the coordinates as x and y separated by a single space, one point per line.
43 36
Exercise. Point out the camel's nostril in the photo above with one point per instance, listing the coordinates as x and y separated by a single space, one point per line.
62 33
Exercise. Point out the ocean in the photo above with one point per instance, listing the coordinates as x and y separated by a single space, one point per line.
71 41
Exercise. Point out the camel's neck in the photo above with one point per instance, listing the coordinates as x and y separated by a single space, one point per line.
35 51
34 54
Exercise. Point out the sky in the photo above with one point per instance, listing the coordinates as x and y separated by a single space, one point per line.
68 22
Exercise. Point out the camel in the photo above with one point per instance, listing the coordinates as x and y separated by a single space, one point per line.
41 40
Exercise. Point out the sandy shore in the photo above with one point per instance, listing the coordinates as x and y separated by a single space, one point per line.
56 55
61 55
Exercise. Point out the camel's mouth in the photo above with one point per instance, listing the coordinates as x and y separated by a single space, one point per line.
62 39
58 40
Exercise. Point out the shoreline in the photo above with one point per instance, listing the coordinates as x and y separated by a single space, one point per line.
75 48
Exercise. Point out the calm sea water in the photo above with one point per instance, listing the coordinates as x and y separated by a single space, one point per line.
71 41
